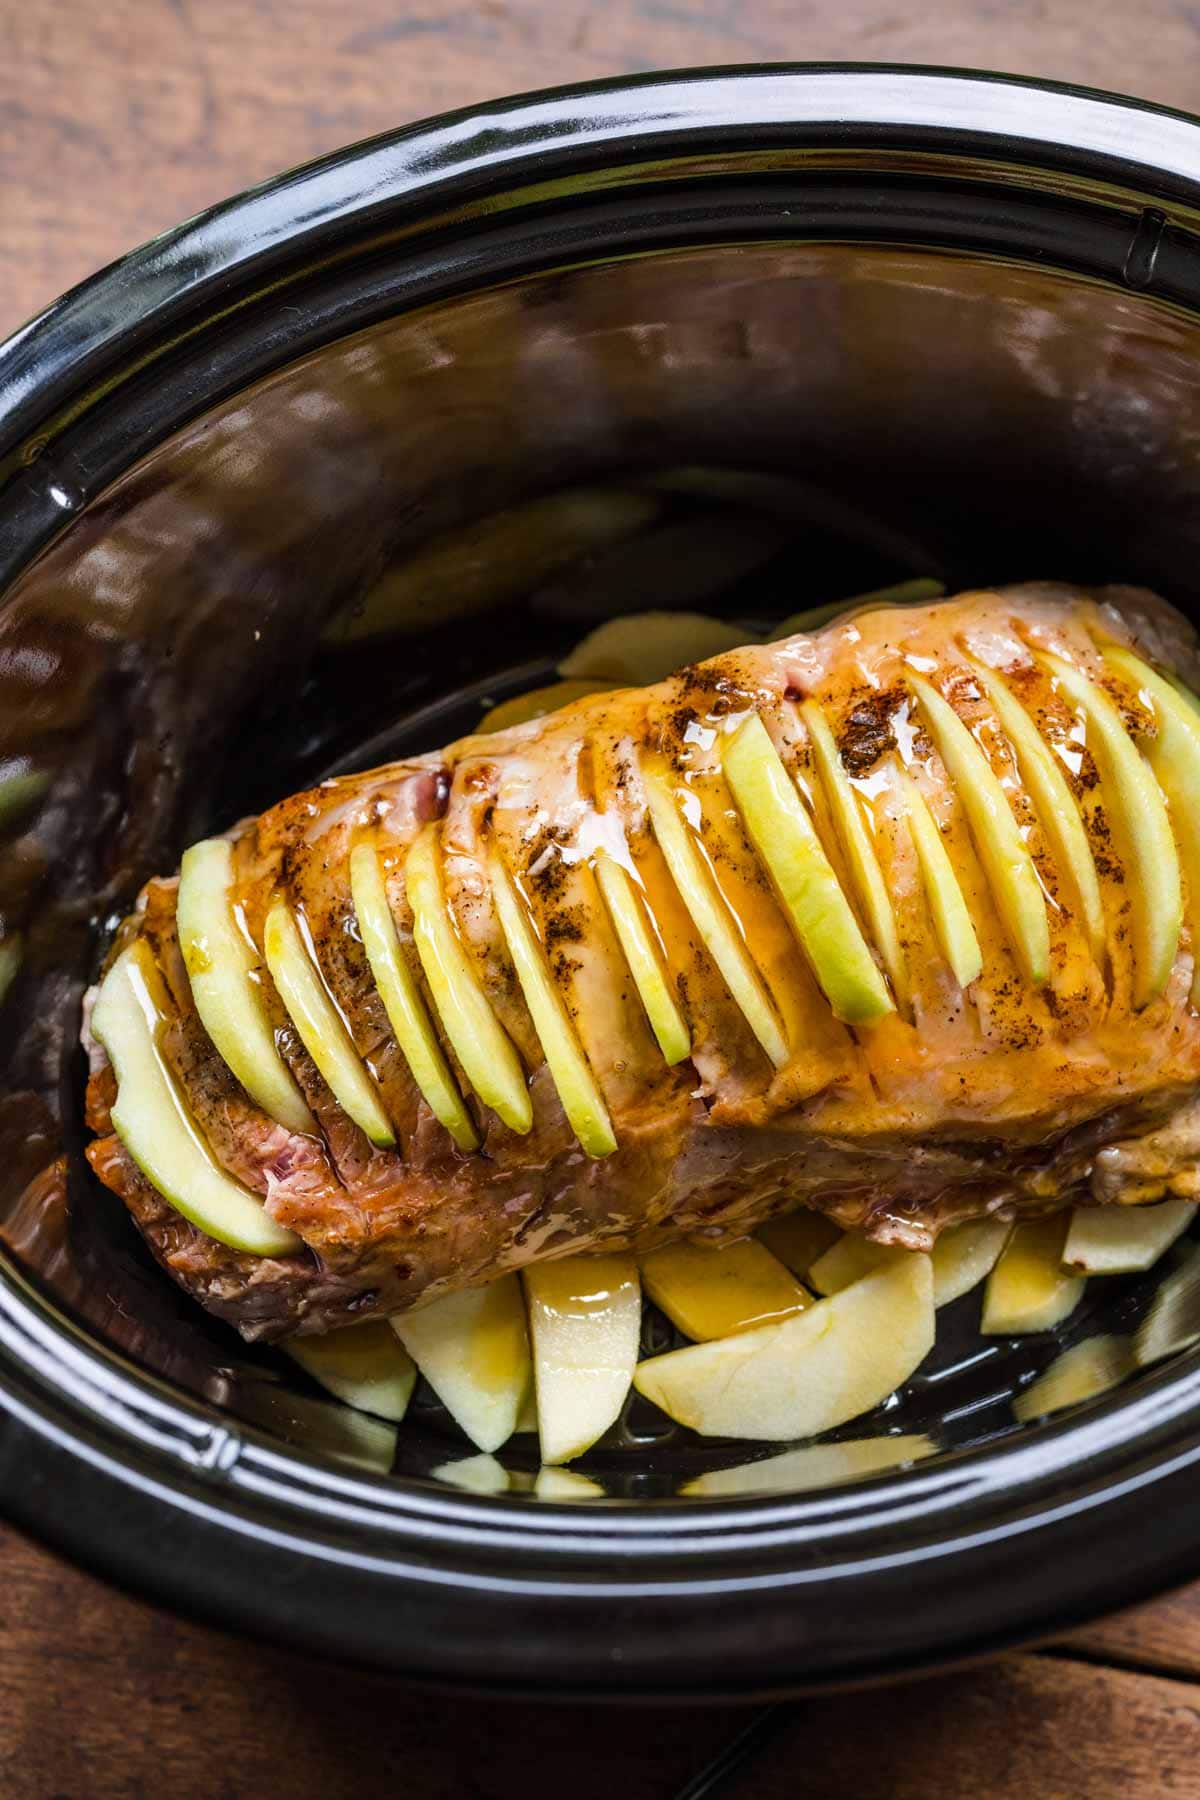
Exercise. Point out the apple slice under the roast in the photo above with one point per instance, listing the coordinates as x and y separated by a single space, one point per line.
155 1126
1121 1240
473 1350
537 703
224 970
1174 756
1029 1290
482 1046
819 1369
952 922
585 1317
637 937
710 915
799 1238
364 1366
1001 849
815 1466
570 1071
1079 1374
402 1000
858 847
962 1256
1048 789
321 1027
1137 813
788 846
715 1290
638 649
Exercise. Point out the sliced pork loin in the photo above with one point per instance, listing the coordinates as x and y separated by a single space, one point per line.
1012 1093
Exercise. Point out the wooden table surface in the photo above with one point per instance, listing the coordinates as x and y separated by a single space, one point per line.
115 121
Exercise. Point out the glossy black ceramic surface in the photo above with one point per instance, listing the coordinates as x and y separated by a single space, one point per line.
834 327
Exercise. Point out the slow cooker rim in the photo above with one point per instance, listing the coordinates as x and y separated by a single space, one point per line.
66 347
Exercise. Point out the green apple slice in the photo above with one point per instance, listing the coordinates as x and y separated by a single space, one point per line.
475 1474
224 971
585 1316
1007 863
640 648
1029 1290
721 936
637 940
816 1466
859 848
1121 1240
155 1126
564 1484
1136 807
321 1026
483 1047
473 1350
715 1290
1079 1374
917 592
363 1366
961 1258
1172 1322
799 1238
1053 801
406 1010
577 1087
948 909
819 1369
1174 756
787 843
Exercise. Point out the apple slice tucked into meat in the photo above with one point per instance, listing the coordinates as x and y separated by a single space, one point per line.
1138 815
155 1126
577 1087
1053 801
224 970
943 895
712 1291
1120 1240
1006 861
816 1466
638 942
799 1238
710 915
406 1010
1029 1290
321 1026
858 846
363 1366
837 1360
473 1350
585 1317
787 844
962 1256
1080 1373
489 1061
1174 756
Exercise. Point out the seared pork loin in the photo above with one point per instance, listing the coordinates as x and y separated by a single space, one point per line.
896 921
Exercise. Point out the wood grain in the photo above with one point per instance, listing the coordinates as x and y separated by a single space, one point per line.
116 121
1030 1728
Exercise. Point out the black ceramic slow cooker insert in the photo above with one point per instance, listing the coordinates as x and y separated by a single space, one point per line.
846 325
